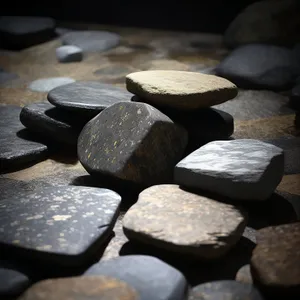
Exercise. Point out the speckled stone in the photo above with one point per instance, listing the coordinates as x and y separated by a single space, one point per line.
81 288
242 169
67 54
149 276
210 228
63 224
294 97
132 141
244 275
87 97
180 89
47 84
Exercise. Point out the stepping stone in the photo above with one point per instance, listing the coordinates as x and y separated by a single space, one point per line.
224 289
87 97
65 225
149 276
242 169
6 77
258 67
47 84
294 97
92 287
66 54
133 142
276 259
210 228
180 89
18 32
91 41
17 146
244 275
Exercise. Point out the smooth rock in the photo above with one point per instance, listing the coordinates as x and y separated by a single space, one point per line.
242 169
180 89
244 275
71 53
210 228
294 97
6 77
47 84
132 141
149 276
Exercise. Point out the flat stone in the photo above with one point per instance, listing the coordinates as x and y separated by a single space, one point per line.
242 169
180 89
17 146
47 84
210 228
87 97
63 224
244 275
294 97
71 53
133 142
149 276
6 77
91 41
224 289
92 287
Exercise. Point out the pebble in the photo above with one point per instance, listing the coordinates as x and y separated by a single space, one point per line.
173 219
133 142
67 54
294 97
244 275
149 276
180 89
242 169
47 84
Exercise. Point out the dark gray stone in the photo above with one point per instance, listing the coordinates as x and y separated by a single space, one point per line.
47 84
67 54
294 97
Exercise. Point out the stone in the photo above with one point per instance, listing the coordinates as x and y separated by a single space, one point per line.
224 289
210 230
242 169
65 225
149 276
17 146
297 120
6 77
133 142
18 32
87 97
258 66
92 287
91 41
47 84
294 97
180 89
265 22
70 53
244 275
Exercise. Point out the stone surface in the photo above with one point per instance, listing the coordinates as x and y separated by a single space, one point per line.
89 97
91 41
92 287
149 276
258 66
132 141
210 228
294 97
6 77
17 146
61 224
242 169
70 53
180 89
244 275
47 84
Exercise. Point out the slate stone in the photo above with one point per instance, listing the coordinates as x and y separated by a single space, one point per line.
258 66
149 276
6 77
294 97
17 146
64 225
18 32
225 289
244 275
92 287
210 230
133 142
87 97
180 89
242 169
67 54
47 84
91 41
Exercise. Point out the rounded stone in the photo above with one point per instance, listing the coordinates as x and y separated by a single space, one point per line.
47 84
66 54
244 275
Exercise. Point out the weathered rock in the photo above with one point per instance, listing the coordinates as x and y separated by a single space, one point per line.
294 97
67 54
132 141
47 84
210 228
243 169
244 275
180 89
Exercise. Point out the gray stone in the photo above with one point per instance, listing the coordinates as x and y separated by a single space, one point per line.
47 84
71 53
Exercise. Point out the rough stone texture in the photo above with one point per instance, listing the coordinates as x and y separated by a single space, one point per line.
47 84
149 276
294 97
180 89
243 169
67 54
244 275
258 66
133 142
81 288
210 228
